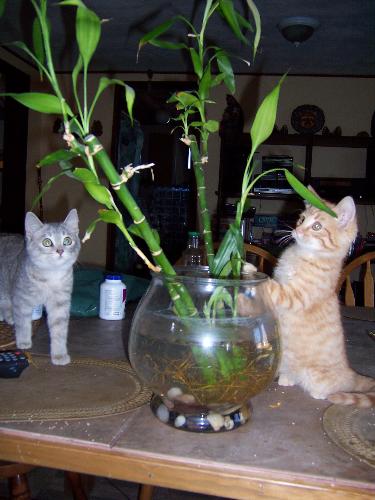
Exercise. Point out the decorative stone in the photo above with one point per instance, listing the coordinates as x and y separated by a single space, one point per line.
187 399
216 420
180 421
162 413
174 392
168 403
228 423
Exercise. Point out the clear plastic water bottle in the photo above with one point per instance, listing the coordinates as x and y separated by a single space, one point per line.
193 255
112 298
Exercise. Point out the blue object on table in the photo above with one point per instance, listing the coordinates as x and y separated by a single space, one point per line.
86 283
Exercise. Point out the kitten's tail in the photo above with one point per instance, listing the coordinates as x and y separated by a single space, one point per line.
363 399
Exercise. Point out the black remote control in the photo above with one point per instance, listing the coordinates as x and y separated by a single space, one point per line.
12 363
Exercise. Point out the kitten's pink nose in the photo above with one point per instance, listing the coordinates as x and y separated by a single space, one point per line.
60 251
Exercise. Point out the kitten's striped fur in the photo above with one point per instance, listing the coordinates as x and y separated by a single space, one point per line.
303 296
39 272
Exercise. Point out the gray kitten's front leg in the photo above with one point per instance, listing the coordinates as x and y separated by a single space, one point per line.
58 312
22 324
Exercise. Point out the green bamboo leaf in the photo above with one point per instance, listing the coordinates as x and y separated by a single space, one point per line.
46 187
186 98
84 175
229 14
205 83
38 42
244 23
134 229
99 193
111 217
231 243
56 157
155 33
167 45
76 71
27 51
74 3
2 6
211 125
105 82
88 29
257 22
217 80
197 63
265 118
38 101
226 69
306 194
90 229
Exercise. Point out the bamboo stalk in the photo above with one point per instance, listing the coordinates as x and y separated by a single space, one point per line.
198 161
180 296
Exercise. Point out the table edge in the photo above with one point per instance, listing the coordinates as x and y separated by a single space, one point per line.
198 476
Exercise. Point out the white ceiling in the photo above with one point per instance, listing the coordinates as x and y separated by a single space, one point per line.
344 44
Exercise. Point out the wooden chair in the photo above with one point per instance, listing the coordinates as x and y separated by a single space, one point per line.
368 280
265 261
16 474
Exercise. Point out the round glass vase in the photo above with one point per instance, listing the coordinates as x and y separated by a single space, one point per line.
204 368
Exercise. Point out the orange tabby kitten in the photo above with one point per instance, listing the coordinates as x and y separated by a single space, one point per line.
303 296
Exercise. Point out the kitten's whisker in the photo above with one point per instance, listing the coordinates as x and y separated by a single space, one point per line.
284 240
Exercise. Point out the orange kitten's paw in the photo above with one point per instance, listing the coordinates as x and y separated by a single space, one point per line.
285 380
249 269
243 305
60 359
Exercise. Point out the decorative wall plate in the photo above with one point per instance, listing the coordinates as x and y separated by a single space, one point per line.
307 119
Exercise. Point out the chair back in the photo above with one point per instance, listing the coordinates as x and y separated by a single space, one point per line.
365 275
264 260
261 258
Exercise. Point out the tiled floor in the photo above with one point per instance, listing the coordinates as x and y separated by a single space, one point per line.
48 484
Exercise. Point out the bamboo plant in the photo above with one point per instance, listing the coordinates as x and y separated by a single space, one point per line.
84 158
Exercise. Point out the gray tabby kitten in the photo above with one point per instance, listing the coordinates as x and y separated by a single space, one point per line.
39 270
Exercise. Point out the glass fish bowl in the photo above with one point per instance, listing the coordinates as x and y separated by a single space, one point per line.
202 359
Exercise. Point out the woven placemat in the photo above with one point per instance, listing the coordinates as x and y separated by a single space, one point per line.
353 429
85 388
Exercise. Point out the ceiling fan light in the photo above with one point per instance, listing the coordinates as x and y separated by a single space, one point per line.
297 29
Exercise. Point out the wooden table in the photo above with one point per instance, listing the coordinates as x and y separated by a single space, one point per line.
282 453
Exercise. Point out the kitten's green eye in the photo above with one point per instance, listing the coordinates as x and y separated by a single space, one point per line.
317 226
67 241
47 242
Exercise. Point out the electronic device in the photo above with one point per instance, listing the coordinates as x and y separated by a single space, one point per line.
12 363
274 182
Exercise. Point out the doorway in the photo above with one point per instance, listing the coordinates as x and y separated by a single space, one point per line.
166 194
13 150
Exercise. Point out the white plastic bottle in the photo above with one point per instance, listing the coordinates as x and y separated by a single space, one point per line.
112 298
37 312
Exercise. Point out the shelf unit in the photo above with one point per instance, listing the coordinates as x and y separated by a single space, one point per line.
233 154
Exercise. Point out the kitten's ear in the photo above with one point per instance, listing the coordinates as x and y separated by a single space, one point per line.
345 211
32 224
71 220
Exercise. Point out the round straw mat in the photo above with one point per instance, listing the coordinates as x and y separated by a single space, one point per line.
353 429
84 388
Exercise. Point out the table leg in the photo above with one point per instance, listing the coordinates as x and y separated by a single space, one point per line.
145 492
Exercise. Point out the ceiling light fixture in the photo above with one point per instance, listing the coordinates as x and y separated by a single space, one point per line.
298 29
